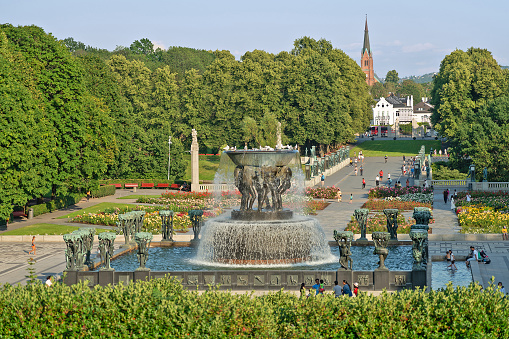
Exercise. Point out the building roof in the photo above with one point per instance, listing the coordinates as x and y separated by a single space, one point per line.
395 101
366 46
423 107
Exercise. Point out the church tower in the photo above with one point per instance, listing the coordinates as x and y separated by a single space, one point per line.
367 58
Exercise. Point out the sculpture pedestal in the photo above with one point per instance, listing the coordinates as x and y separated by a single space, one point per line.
418 278
343 274
141 275
381 279
106 277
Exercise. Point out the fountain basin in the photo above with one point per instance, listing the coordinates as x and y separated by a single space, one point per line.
263 242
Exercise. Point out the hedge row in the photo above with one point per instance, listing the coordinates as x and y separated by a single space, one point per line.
140 181
160 308
103 191
58 203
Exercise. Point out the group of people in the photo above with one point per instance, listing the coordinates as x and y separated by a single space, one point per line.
453 198
338 290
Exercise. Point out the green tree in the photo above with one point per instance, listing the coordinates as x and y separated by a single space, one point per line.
143 46
392 76
408 88
23 143
378 90
58 79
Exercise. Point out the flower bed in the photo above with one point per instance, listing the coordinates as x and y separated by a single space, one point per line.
498 201
378 223
380 205
310 207
328 192
484 219
151 222
384 192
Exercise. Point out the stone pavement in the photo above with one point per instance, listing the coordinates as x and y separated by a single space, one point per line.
49 260
337 215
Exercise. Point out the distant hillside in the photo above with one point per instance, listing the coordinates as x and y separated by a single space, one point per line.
420 79
504 67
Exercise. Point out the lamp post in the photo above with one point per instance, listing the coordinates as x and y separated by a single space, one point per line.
169 156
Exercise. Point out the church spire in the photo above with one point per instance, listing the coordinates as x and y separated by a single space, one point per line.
366 47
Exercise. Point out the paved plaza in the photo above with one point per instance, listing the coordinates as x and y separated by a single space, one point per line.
50 258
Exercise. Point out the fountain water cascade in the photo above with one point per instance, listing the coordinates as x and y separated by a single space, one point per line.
261 231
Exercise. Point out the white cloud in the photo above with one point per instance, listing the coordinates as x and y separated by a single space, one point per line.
158 44
417 47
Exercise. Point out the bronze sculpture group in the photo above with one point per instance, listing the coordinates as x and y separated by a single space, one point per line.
262 182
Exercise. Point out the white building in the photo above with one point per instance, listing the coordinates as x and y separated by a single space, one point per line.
422 111
387 110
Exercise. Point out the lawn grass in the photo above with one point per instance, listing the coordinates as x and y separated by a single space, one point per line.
47 229
393 148
95 209
208 166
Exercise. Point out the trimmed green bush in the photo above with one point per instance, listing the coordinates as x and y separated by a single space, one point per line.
58 203
140 181
161 308
103 191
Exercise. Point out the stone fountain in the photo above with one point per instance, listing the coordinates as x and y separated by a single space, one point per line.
261 231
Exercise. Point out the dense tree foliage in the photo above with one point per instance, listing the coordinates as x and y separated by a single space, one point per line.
392 76
85 114
402 89
471 96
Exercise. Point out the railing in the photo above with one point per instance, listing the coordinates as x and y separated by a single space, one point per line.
458 183
498 185
216 187
436 158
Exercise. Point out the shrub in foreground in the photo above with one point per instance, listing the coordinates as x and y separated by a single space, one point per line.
161 308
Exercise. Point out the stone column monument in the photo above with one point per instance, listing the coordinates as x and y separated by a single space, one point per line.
195 164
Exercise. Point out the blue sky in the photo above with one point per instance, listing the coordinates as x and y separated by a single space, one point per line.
411 37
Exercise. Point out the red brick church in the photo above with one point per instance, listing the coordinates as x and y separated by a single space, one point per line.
367 58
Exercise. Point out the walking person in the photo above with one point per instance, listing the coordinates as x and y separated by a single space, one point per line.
381 173
446 196
363 183
504 233
377 181
322 179
452 265
355 289
386 158
453 205
33 245
355 171
351 198
338 195
362 170
88 195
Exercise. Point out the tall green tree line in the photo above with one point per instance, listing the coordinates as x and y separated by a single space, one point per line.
471 98
84 114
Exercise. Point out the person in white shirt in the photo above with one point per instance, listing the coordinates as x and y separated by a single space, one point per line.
472 256
452 265
48 281
468 197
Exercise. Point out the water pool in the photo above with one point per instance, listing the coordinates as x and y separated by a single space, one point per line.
441 275
183 259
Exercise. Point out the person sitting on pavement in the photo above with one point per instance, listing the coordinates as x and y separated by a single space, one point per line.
473 255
